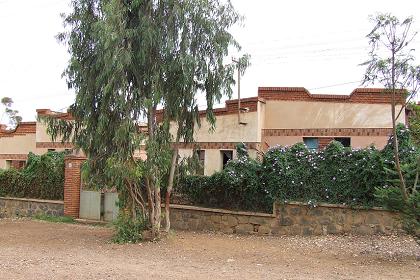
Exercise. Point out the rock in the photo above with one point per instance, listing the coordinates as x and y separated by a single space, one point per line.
264 230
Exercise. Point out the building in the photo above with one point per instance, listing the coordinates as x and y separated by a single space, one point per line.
28 137
277 116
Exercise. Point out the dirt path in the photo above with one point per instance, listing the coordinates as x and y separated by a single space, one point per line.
41 250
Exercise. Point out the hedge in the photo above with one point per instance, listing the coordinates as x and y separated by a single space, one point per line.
333 175
42 177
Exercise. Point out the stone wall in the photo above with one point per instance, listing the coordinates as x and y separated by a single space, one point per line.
288 219
24 207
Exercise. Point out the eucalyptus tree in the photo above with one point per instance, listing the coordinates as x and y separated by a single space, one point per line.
13 115
391 63
128 60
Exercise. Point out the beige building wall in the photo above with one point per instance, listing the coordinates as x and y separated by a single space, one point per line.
303 114
229 130
364 141
41 133
19 144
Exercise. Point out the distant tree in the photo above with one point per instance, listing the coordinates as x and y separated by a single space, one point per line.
391 64
127 59
13 115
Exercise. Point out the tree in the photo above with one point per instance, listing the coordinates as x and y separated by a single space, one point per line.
391 64
127 59
14 118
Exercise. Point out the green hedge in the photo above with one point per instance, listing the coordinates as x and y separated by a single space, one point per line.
42 177
333 175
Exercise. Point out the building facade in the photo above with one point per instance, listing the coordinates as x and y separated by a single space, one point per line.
28 137
277 116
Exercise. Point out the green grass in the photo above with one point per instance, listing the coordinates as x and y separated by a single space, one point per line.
54 219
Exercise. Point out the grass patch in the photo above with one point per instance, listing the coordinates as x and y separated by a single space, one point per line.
54 219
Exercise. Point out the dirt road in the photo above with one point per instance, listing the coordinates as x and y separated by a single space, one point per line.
41 250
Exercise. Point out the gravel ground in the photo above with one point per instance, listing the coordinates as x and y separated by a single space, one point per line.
32 249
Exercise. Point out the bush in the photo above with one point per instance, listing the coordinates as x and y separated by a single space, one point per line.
334 175
43 177
127 230
236 187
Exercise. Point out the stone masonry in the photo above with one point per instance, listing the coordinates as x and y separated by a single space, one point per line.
287 219
24 207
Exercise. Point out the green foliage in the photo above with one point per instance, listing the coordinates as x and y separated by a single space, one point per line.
334 175
13 115
414 122
236 187
43 177
242 150
127 59
55 219
127 230
391 198
406 148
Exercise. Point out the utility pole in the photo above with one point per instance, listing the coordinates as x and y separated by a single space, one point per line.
239 89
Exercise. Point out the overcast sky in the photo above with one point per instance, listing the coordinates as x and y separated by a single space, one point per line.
313 44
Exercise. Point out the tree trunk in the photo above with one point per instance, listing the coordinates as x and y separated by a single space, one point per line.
170 185
158 212
394 131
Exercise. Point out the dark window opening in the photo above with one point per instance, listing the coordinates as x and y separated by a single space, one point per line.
226 156
51 150
312 143
345 141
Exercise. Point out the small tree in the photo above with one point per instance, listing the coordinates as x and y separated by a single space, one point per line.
391 64
13 115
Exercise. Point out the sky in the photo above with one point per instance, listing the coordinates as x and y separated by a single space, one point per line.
313 44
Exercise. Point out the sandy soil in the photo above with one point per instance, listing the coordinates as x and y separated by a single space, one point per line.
41 250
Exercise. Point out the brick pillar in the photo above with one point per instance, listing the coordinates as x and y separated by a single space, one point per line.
72 185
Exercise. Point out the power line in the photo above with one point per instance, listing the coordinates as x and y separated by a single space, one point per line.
335 85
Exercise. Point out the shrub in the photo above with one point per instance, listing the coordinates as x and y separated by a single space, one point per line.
334 175
127 230
43 177
236 187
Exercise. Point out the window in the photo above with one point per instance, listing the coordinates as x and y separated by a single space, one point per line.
8 164
226 156
311 142
51 150
345 141
201 155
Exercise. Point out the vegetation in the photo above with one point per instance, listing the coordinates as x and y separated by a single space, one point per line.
128 230
13 115
128 58
42 177
334 175
391 64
